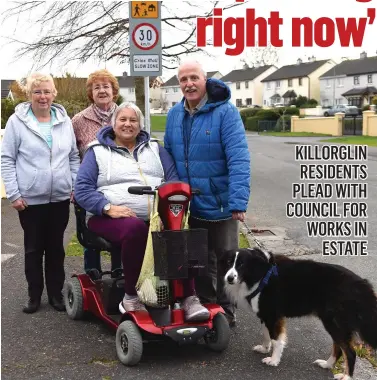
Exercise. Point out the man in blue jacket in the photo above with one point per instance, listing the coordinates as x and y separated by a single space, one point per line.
206 137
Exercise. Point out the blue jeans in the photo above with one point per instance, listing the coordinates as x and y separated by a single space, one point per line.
92 259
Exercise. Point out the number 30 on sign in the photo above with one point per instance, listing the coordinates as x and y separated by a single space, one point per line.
145 36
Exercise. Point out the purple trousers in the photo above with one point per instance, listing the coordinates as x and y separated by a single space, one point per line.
131 235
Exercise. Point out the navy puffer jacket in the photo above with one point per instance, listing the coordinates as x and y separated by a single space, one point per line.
211 153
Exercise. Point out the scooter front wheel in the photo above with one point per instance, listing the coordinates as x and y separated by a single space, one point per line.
129 343
218 338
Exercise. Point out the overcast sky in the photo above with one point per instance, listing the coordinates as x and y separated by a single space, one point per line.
221 62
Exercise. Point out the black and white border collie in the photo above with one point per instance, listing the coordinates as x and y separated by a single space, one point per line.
276 287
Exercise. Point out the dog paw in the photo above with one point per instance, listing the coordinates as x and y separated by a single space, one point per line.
261 349
323 363
342 376
270 361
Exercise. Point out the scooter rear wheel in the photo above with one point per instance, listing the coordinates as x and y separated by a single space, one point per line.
73 299
218 338
129 343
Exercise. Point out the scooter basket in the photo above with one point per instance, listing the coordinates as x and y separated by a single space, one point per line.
178 254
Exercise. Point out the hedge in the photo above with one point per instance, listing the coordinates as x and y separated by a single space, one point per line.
248 112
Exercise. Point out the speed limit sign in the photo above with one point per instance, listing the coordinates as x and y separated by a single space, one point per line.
145 36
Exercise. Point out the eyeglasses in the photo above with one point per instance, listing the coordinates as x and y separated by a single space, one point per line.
39 92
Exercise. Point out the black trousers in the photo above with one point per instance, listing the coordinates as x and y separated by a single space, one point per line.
44 227
222 235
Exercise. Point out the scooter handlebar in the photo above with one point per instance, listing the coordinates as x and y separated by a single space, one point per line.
140 190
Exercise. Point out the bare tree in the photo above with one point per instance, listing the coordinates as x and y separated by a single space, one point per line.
261 56
82 31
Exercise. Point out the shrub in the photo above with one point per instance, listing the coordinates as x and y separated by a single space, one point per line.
248 112
268 114
366 108
374 100
252 123
7 109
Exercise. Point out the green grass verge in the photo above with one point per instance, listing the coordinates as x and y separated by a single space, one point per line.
74 248
359 140
293 134
158 123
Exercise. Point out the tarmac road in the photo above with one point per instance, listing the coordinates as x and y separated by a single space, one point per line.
48 345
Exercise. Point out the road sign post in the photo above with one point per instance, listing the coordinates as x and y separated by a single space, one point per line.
145 45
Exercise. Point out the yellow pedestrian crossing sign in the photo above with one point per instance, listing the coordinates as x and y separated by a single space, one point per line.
144 9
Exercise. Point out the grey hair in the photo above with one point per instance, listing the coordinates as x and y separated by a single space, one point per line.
139 114
193 62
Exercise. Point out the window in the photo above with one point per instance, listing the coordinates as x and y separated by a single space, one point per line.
356 79
131 90
268 85
238 102
167 90
238 85
328 84
265 102
249 101
289 82
339 101
175 89
340 82
300 81
370 78
277 84
246 84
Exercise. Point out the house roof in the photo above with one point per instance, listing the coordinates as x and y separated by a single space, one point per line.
361 91
290 94
295 71
245 74
210 74
5 84
353 67
129 82
173 81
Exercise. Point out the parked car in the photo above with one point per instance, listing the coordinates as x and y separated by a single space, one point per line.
344 108
253 106
279 105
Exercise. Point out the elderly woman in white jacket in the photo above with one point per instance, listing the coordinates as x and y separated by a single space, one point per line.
39 164
124 155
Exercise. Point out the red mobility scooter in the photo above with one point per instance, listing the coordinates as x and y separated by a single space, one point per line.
177 252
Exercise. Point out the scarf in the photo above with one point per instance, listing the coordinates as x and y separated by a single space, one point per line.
104 116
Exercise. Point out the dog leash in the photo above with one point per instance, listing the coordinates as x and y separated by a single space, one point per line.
250 232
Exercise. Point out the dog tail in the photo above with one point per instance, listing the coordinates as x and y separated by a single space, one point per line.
368 320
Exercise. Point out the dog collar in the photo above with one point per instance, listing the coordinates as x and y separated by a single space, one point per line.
272 271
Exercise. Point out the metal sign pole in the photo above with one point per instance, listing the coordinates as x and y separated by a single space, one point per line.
147 106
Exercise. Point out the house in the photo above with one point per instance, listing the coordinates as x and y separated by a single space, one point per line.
127 89
245 84
5 89
288 82
351 82
171 93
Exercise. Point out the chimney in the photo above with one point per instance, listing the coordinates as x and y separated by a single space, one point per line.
363 55
257 64
299 61
313 58
124 73
245 66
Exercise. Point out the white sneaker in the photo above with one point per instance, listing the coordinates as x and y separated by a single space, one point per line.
194 310
131 304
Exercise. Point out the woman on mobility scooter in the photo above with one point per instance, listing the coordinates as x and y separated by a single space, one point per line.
122 156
